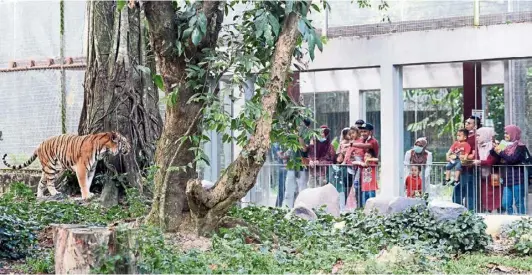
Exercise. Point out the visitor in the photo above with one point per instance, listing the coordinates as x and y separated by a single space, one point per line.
513 175
321 154
336 177
366 142
280 160
456 154
368 176
414 183
359 123
467 188
354 154
345 141
420 156
304 141
490 180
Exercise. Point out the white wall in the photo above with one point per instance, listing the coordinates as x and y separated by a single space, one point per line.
436 46
414 77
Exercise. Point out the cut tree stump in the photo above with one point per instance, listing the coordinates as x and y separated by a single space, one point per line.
79 248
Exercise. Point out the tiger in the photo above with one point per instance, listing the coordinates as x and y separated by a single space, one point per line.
75 153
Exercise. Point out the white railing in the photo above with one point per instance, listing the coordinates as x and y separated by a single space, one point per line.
475 189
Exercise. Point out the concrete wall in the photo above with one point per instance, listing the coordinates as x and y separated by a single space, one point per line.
438 46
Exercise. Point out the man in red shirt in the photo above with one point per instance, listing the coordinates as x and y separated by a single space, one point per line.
366 132
467 189
369 143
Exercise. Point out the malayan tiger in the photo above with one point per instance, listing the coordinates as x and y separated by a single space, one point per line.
75 153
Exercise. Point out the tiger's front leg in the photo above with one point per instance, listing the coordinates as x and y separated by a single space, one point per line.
84 185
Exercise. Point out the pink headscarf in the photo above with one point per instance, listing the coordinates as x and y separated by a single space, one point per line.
484 139
515 136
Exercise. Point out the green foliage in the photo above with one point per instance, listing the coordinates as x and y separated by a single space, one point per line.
245 49
40 262
23 215
17 236
520 232
495 109
298 246
446 117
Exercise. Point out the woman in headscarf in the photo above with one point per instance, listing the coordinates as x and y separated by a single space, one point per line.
321 154
490 191
513 175
419 156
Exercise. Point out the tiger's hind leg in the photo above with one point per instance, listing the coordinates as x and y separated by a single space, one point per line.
51 176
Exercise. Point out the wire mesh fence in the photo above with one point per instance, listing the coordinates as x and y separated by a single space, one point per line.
34 49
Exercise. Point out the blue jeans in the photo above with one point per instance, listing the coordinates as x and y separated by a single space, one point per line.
466 189
514 193
280 194
366 195
454 164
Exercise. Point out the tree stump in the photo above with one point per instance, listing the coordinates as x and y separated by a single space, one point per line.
79 248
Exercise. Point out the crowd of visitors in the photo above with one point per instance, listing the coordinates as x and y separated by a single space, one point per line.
489 175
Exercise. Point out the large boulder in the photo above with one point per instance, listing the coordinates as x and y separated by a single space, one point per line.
495 224
446 210
391 205
316 197
302 211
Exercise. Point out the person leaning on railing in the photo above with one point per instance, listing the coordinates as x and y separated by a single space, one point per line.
490 190
512 156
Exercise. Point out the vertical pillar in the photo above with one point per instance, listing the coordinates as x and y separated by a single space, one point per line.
355 106
472 87
392 131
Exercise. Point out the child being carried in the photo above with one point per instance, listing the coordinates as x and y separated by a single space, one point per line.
458 152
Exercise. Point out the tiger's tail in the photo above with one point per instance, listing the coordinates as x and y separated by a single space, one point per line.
26 164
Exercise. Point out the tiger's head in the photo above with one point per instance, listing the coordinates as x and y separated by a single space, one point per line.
118 144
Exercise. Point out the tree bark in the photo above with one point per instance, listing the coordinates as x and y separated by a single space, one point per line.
182 118
119 92
78 248
209 206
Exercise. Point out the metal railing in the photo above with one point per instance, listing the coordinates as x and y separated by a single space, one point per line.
482 189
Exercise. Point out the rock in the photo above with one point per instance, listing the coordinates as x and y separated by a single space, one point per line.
495 224
401 204
379 203
302 211
396 255
445 210
316 197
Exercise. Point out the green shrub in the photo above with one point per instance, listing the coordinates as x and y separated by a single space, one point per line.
16 235
521 233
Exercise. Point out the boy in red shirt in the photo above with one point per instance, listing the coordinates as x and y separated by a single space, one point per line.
458 152
413 183
368 176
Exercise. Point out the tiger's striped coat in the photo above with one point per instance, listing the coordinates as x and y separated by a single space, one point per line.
76 153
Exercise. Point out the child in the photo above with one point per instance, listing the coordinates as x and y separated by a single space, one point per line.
353 154
345 141
368 176
413 183
458 151
337 178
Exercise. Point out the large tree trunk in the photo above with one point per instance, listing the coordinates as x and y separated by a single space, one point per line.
209 206
181 119
119 92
